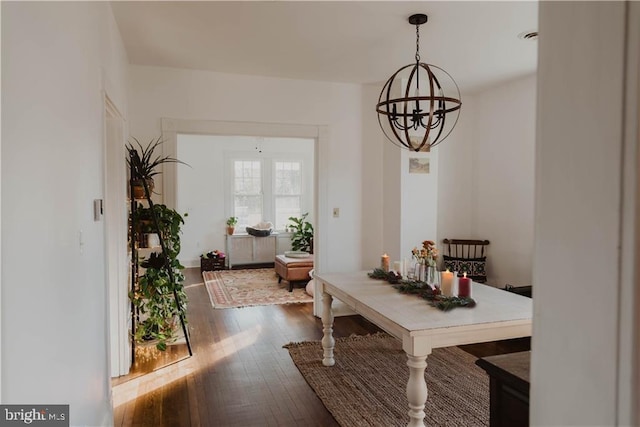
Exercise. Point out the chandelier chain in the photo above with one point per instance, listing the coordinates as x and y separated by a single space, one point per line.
418 43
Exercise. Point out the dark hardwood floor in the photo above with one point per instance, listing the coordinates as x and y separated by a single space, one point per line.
239 374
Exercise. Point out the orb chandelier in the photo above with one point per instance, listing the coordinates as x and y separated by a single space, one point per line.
420 104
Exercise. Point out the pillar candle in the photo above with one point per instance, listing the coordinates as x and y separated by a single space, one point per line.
384 262
454 284
397 267
446 283
464 287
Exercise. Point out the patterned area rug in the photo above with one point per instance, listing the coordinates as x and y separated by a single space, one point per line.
367 385
243 288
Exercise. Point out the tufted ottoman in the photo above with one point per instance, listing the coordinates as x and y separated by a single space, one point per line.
293 269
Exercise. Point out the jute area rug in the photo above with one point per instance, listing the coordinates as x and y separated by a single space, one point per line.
367 385
243 288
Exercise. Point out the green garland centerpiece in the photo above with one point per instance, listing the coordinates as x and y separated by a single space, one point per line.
423 290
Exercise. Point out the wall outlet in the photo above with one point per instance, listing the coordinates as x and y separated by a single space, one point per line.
336 212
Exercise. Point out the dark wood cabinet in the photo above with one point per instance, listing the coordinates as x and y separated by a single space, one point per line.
509 385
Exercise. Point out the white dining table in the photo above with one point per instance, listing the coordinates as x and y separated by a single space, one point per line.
497 315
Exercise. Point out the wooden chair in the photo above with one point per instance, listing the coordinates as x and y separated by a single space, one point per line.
466 255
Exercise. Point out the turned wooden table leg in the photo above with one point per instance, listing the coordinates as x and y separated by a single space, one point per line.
416 390
328 343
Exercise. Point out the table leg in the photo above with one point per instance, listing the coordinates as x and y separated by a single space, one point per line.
416 390
328 343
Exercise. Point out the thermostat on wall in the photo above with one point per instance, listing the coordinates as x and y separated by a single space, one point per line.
97 210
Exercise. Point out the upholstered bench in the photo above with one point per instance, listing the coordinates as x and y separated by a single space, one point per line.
293 269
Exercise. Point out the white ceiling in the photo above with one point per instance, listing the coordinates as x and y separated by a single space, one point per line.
343 41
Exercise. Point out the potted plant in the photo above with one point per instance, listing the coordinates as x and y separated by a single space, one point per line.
302 237
155 293
144 163
158 309
232 221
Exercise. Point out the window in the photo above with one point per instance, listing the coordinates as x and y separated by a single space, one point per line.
267 190
287 192
247 191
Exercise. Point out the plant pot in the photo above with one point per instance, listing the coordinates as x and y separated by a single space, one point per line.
171 332
230 230
138 188
143 227
153 240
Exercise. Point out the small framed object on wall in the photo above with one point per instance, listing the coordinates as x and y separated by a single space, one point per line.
419 165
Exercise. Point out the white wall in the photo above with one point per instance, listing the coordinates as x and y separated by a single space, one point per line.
56 58
419 216
486 178
372 180
576 354
199 95
392 201
455 183
202 188
503 178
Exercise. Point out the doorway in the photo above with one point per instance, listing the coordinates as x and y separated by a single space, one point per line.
171 128
274 178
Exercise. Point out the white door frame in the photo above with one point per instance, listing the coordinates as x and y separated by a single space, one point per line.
115 227
629 300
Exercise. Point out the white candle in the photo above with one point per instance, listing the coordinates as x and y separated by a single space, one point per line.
454 284
446 283
397 267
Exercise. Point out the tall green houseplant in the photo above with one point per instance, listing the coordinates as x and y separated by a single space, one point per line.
157 293
154 294
147 162
302 238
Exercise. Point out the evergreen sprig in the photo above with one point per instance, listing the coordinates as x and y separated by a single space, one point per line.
389 276
412 287
378 273
448 303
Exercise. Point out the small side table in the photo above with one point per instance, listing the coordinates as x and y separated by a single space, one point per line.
509 385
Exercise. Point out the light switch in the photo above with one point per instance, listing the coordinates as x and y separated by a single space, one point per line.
336 212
